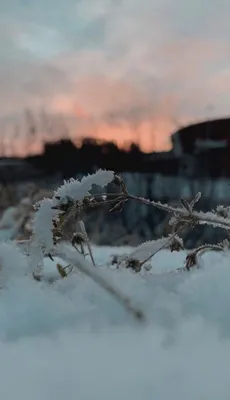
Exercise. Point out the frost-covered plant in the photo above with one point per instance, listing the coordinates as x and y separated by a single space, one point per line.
75 197
50 217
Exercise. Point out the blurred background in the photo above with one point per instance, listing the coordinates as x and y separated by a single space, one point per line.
137 86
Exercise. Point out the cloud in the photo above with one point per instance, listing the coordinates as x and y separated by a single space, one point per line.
127 63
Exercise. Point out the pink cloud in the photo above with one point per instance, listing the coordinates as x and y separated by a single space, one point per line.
144 80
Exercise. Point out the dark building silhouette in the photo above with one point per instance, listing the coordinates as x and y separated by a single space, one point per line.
204 148
203 136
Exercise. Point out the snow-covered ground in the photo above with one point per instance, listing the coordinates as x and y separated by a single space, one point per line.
71 340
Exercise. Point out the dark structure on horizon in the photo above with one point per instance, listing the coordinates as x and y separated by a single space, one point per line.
199 150
204 149
64 156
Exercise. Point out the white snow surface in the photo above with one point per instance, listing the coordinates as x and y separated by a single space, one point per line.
71 340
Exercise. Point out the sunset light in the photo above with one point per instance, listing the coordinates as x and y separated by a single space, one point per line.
130 76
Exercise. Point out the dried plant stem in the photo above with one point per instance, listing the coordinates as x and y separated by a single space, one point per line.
83 230
202 218
208 247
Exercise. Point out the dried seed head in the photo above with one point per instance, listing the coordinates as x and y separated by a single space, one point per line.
78 238
176 244
191 261
135 265
87 202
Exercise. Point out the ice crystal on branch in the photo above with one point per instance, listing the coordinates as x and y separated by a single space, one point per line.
77 190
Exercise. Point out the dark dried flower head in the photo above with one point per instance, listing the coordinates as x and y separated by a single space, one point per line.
78 238
88 202
176 244
191 261
135 265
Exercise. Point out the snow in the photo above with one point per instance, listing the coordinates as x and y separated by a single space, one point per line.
72 340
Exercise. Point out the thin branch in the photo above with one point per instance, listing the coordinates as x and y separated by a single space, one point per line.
83 230
199 217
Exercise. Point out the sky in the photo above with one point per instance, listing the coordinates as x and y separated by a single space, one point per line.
113 69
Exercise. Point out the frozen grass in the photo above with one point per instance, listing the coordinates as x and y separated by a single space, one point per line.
71 340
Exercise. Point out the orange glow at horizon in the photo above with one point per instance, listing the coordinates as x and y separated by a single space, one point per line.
108 109
148 135
104 109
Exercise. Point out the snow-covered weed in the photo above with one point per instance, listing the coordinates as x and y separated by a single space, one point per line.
74 197
62 336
